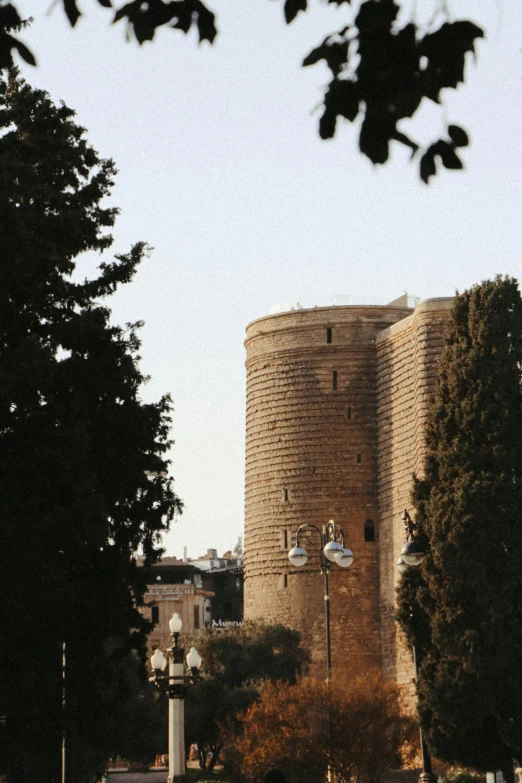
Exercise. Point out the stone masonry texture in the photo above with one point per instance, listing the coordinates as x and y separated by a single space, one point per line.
337 399
407 358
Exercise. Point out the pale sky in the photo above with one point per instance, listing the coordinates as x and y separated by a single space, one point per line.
222 171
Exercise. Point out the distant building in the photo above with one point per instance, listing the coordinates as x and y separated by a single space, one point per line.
226 575
176 586
210 560
204 592
227 604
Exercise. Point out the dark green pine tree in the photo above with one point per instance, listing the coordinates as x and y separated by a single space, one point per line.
76 442
463 608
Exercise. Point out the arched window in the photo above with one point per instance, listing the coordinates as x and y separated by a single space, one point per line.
369 530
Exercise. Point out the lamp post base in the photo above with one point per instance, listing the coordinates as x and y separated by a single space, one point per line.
176 779
427 777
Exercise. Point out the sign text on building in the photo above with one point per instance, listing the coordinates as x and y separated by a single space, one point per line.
172 593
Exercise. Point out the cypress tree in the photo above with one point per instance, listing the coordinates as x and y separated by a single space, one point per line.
76 441
463 608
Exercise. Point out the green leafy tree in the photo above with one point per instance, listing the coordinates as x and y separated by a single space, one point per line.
211 710
131 719
252 652
76 441
382 68
136 717
463 608
235 663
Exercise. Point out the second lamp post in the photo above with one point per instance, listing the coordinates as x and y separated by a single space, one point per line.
332 549
175 683
412 555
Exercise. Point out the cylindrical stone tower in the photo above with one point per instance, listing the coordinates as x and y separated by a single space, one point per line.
311 456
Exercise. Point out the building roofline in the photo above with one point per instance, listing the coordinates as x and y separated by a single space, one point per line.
440 303
332 308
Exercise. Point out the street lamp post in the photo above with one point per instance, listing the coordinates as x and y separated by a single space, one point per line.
411 556
332 549
175 683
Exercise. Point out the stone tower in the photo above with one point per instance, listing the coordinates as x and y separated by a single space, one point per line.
335 403
311 456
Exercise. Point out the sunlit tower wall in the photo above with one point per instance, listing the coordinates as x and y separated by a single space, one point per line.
311 456
408 356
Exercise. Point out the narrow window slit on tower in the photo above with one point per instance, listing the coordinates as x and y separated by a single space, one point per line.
369 530
349 413
358 459
334 380
285 580
329 334
284 539
285 495
155 615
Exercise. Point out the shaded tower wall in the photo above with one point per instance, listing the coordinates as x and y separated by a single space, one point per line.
407 360
311 456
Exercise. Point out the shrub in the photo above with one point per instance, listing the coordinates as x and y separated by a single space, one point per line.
311 728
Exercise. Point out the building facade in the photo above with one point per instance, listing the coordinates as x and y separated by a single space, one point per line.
176 586
205 592
226 579
336 404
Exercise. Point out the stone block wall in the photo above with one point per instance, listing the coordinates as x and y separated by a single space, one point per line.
311 456
407 359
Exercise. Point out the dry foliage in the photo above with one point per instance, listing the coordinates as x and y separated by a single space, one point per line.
356 732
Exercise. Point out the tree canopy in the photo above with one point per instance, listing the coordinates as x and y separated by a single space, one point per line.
314 730
463 608
252 652
382 67
235 664
76 442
